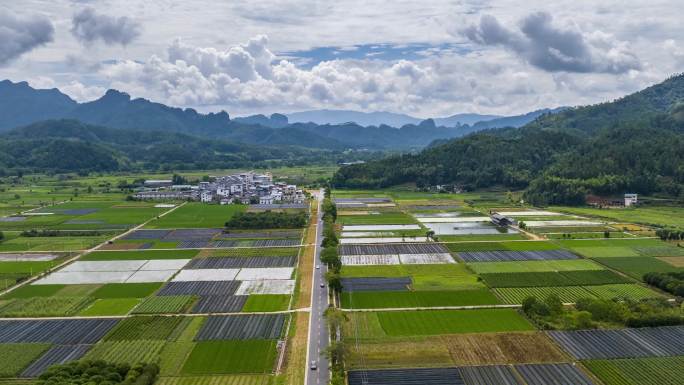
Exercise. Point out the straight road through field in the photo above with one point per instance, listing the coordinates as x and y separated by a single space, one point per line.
319 338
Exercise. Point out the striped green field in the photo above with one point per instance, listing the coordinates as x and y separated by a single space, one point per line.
434 322
534 266
639 371
216 380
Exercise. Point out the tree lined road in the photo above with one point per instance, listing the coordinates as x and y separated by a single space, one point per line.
319 338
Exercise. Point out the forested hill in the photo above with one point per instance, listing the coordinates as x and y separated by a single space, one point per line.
634 144
72 146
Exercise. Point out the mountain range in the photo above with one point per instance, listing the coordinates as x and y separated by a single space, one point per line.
633 144
22 105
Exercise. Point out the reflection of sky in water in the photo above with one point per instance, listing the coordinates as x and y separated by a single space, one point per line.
466 228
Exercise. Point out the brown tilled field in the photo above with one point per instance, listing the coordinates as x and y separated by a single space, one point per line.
502 348
674 261
398 353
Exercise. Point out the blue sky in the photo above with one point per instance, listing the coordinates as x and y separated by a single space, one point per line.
429 58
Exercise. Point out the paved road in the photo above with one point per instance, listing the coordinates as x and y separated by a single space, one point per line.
318 331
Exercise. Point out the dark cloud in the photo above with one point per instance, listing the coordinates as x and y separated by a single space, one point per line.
19 35
88 27
551 48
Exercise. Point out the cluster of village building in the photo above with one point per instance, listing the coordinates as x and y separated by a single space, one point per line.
244 188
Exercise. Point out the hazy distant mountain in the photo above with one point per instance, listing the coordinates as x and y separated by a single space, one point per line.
515 121
346 116
633 144
274 121
461 119
20 104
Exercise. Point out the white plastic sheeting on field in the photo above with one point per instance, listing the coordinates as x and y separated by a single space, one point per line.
379 227
562 223
354 241
426 259
453 220
84 277
20 257
279 286
365 260
362 234
142 276
267 273
531 213
132 265
191 275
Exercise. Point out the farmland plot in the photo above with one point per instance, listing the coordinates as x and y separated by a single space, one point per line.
233 379
242 327
67 331
553 374
15 357
534 266
280 286
376 284
501 256
164 304
241 262
642 371
416 248
227 357
434 322
144 328
44 306
426 259
436 376
489 375
268 273
565 278
23 257
360 260
361 241
567 294
58 354
502 348
200 288
220 304
622 343
189 275
379 227
126 351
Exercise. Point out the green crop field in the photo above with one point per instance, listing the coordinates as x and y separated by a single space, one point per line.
606 252
16 357
227 357
409 299
110 307
165 304
433 322
197 215
52 243
144 328
28 291
632 291
636 267
425 277
567 294
670 216
564 278
266 302
533 266
44 306
141 254
216 380
639 371
126 351
126 290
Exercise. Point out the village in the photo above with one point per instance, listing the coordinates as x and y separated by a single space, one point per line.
242 188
